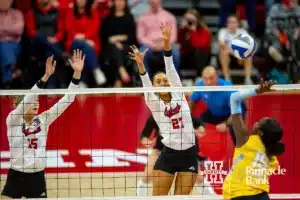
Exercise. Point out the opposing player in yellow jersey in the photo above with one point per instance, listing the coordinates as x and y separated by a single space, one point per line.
255 154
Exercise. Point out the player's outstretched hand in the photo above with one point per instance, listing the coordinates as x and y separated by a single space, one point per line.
50 66
166 32
136 55
265 86
77 60
200 131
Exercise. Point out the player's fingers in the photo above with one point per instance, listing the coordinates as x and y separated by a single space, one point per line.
261 81
81 54
136 49
54 64
74 54
170 26
131 54
48 61
132 57
272 82
70 61
51 60
83 58
269 84
77 53
146 50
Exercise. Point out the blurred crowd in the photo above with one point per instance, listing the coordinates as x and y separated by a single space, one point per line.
32 30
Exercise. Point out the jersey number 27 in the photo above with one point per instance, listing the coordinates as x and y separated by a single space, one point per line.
177 123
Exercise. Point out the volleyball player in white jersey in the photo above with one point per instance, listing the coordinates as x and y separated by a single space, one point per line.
172 115
27 135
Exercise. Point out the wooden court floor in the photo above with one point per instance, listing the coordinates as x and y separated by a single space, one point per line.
92 184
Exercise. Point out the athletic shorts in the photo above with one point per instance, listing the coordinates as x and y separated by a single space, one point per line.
261 196
29 185
172 161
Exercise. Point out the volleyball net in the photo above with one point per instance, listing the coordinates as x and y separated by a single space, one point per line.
94 148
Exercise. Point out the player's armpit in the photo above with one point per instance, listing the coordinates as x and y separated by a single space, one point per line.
240 130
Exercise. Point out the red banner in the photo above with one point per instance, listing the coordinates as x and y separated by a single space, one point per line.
102 134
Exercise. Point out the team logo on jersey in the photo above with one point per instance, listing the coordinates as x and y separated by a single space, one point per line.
172 111
213 172
28 131
36 122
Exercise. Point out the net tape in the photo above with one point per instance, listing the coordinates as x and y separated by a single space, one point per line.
141 90
204 197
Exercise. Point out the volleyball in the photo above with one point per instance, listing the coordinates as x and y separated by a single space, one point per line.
243 46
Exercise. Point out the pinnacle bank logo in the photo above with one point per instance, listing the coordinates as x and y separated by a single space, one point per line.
213 172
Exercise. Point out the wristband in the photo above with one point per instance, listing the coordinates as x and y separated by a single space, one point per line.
75 81
40 84
143 74
168 53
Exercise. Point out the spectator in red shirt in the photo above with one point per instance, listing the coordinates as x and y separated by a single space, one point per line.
195 40
44 33
43 29
82 25
11 30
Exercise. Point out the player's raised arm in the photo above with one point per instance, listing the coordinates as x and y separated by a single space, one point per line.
240 130
166 32
77 63
138 57
23 105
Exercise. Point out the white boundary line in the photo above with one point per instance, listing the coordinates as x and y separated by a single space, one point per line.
140 90
204 197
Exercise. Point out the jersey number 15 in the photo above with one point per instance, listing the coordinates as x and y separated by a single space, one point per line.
32 143
177 123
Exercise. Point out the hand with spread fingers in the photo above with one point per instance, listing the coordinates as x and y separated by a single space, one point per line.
136 55
77 60
50 66
166 32
265 86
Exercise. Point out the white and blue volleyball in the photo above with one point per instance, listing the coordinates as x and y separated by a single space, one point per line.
243 46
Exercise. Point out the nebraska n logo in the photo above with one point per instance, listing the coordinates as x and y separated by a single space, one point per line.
213 172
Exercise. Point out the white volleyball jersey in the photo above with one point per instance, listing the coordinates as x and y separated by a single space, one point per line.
174 119
27 142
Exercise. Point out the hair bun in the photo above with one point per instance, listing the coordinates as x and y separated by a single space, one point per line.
275 149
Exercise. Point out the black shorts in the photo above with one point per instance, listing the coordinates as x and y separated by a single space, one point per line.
172 161
261 196
29 185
